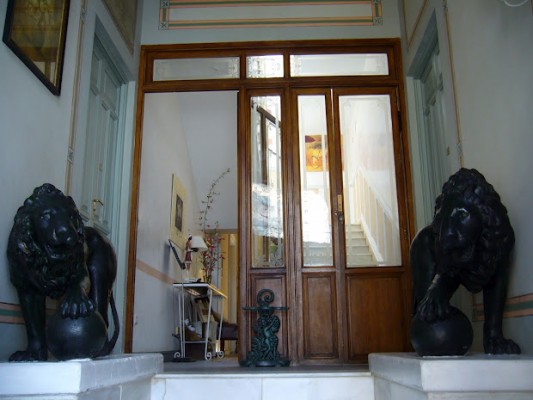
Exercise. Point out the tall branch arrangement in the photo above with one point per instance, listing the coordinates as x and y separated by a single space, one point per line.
212 256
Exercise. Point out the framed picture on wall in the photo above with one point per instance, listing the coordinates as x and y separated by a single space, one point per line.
35 30
177 213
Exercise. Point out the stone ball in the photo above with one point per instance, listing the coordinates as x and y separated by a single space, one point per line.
452 336
83 337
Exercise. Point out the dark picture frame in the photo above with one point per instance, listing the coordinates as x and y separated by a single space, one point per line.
178 208
36 31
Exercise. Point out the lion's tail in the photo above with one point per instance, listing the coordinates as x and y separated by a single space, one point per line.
110 344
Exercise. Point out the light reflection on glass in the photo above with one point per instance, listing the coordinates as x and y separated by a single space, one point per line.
267 191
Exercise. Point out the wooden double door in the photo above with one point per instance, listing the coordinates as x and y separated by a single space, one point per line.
324 220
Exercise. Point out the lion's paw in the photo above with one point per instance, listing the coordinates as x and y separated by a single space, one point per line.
433 308
28 355
76 304
501 345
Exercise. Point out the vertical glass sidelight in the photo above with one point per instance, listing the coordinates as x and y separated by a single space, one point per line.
267 191
314 181
369 181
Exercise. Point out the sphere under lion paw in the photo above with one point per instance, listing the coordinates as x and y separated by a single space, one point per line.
452 336
83 337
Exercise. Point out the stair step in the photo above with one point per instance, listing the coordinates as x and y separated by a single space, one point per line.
361 259
355 234
265 384
357 249
356 241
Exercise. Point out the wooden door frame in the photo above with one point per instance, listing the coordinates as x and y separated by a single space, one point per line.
146 84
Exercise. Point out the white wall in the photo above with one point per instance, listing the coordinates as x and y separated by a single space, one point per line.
489 53
212 146
31 118
494 87
163 154
34 132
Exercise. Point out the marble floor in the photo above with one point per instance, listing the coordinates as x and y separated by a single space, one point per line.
225 379
230 365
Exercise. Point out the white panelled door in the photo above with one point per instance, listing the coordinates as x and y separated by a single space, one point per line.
103 157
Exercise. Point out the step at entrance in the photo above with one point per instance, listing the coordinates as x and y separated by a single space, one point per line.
265 384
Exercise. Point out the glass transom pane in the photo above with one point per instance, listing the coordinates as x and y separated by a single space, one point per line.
339 64
270 66
196 68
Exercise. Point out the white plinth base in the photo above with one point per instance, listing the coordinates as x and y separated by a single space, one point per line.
125 376
406 376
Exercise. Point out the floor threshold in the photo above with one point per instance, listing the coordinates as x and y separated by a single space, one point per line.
231 366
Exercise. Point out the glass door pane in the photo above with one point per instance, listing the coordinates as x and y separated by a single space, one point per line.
314 181
369 181
267 192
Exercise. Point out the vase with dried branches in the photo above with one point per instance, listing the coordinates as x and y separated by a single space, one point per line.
212 257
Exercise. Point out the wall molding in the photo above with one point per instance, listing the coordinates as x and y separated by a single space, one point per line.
12 314
518 306
154 273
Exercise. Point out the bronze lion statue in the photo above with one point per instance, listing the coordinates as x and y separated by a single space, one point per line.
468 243
51 253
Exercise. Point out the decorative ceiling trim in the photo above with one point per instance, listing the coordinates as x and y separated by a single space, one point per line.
205 14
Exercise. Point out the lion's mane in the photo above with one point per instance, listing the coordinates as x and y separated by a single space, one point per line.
497 236
31 267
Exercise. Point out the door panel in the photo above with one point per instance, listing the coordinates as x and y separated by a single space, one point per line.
349 219
320 316
99 181
375 322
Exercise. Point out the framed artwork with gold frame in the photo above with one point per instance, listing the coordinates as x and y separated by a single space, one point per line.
177 213
35 30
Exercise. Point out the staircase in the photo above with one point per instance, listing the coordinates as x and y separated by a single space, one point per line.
358 251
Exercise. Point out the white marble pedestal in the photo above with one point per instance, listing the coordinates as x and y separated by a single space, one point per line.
126 376
406 376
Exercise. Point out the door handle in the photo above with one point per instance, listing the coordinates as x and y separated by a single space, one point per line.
340 216
339 213
95 204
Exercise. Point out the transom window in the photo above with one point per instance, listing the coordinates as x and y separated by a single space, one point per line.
254 66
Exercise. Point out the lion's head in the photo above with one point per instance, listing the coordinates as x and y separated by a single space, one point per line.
472 229
46 242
